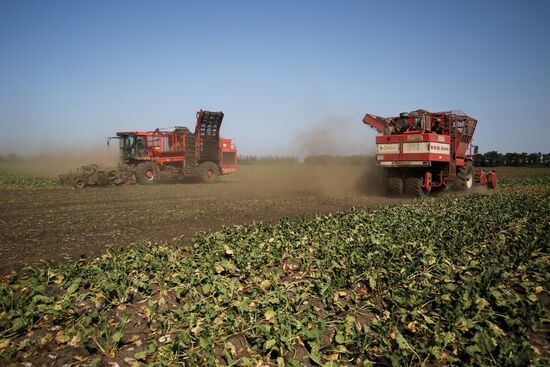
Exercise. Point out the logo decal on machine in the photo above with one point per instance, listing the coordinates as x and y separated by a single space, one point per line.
387 148
440 148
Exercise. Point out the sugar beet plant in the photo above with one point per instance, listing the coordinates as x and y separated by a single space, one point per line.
450 281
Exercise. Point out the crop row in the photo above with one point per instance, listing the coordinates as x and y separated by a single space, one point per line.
457 280
9 180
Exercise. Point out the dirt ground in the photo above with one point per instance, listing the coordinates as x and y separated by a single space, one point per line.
40 224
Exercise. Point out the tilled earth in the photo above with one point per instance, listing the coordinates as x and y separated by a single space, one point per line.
54 224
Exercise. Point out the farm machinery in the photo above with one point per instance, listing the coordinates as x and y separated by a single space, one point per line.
422 151
146 155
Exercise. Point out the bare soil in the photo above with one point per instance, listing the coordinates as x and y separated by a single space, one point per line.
55 224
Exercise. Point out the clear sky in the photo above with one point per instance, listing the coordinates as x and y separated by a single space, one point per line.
291 76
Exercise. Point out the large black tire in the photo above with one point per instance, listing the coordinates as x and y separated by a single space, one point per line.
208 172
147 173
395 182
413 186
465 175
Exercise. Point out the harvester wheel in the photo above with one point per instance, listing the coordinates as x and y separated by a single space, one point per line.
413 186
395 182
208 172
465 175
79 183
147 174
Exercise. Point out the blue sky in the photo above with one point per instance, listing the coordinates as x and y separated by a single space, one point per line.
293 77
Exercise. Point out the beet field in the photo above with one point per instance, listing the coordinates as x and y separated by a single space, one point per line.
450 280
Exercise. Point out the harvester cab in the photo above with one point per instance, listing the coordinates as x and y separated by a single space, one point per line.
132 145
421 151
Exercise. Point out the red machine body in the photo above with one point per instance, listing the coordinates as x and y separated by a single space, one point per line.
202 153
423 150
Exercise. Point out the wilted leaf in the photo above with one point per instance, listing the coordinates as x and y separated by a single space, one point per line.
4 343
269 315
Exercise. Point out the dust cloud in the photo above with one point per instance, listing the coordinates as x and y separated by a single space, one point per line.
335 155
330 180
333 135
56 160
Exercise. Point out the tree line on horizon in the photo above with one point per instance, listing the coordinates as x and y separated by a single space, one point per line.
496 159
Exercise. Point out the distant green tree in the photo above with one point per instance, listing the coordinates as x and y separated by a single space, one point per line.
523 159
510 159
494 158
533 159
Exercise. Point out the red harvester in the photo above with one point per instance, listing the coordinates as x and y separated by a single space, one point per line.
421 151
202 154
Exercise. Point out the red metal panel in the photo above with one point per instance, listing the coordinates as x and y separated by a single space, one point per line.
491 179
389 142
436 138
377 122
382 139
227 146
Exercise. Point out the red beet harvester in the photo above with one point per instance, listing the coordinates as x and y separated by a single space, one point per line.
201 154
421 151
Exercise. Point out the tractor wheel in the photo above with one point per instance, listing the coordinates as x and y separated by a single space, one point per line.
465 175
147 174
413 186
395 182
208 172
